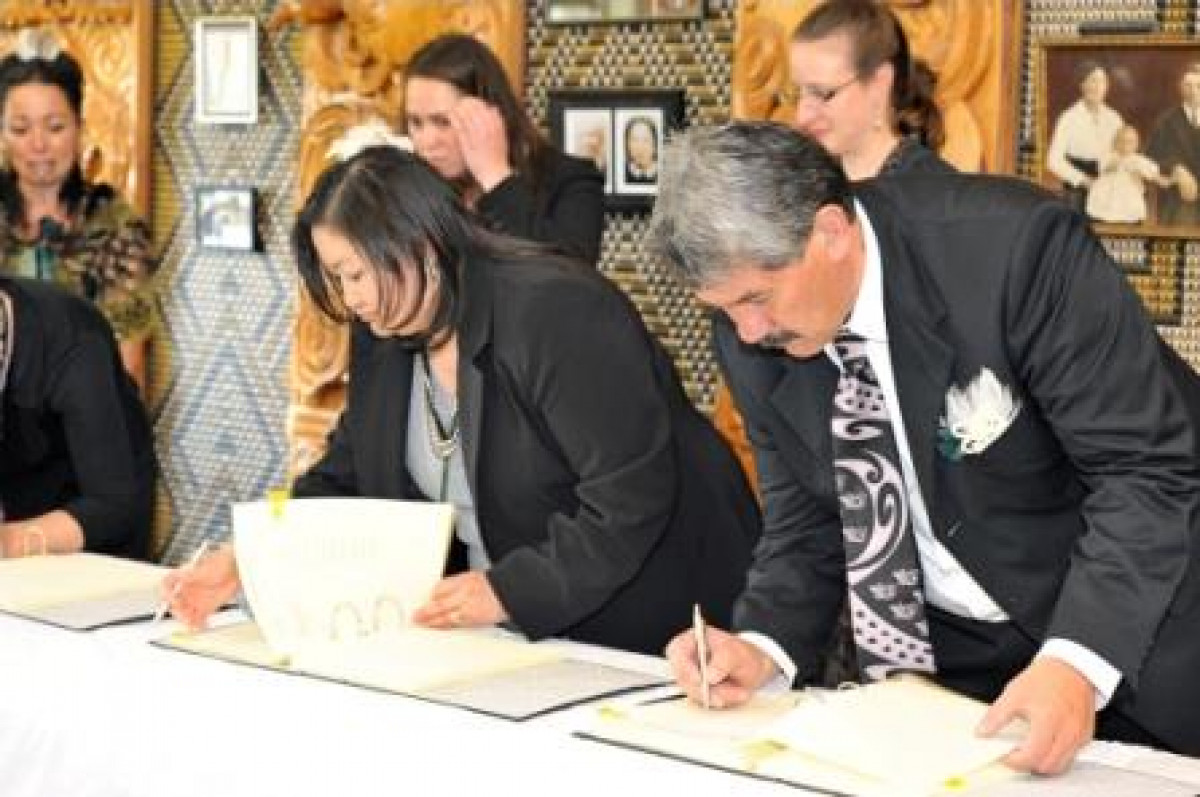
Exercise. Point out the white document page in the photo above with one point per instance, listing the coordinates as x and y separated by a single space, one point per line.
79 590
907 733
320 570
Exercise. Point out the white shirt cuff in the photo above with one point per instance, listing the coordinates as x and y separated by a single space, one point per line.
1103 676
785 668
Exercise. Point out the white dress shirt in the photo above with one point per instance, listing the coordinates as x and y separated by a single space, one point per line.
947 585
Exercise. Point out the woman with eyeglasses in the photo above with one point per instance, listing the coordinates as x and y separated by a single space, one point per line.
54 224
593 501
859 91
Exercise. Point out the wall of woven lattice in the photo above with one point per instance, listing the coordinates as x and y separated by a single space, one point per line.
219 394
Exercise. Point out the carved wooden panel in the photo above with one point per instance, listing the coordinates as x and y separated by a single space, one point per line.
113 42
970 44
354 52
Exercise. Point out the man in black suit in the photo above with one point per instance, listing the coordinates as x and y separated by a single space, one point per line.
1174 144
1046 436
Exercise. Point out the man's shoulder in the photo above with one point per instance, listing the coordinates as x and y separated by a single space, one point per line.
936 197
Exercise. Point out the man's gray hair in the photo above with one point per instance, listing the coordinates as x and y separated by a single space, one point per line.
740 194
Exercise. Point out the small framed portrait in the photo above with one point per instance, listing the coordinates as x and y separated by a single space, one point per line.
1117 123
572 11
226 66
226 218
587 133
623 133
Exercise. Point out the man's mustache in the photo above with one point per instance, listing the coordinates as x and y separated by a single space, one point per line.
777 340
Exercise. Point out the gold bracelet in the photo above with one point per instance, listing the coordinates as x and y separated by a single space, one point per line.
34 530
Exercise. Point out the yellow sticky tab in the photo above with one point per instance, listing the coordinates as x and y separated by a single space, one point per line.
609 712
278 498
754 753
955 784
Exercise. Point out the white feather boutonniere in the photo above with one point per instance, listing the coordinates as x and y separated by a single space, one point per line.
976 416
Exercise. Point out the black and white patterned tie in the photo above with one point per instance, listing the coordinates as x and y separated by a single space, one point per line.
887 605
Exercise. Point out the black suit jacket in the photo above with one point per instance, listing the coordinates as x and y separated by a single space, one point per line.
73 431
1081 521
565 209
606 503
1175 141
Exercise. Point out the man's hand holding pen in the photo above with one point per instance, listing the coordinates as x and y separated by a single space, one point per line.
735 668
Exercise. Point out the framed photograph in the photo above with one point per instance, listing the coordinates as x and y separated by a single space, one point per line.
1118 131
226 218
565 12
622 132
226 70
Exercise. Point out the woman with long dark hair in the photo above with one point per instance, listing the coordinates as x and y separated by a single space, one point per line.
465 120
54 224
592 500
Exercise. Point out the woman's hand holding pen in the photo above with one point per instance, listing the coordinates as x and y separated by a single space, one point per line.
195 591
462 600
735 667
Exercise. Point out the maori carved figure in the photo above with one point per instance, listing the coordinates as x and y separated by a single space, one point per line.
354 52
102 36
962 40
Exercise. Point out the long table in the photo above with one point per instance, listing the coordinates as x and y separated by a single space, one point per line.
107 714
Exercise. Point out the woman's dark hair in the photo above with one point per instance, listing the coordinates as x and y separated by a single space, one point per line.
876 38
467 64
410 226
63 72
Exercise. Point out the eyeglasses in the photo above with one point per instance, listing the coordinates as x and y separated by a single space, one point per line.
821 95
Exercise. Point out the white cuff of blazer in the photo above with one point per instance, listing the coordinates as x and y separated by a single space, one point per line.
785 667
1103 676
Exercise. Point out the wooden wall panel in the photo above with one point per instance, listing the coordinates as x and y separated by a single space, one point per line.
354 53
112 41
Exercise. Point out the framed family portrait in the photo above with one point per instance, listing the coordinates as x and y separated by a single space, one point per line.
572 11
226 70
622 132
226 218
1118 131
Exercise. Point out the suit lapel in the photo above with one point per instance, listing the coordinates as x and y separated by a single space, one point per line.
474 337
804 399
922 358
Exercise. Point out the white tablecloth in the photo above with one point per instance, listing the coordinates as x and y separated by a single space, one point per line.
104 714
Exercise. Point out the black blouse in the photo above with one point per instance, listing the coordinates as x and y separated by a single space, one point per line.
566 210
73 430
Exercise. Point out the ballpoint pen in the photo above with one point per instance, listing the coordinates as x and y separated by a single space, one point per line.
166 602
701 654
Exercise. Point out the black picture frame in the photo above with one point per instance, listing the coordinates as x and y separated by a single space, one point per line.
227 218
574 12
615 128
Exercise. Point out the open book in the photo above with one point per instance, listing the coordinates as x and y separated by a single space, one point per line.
321 571
900 738
80 591
333 584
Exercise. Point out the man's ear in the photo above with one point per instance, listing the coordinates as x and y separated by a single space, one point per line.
832 230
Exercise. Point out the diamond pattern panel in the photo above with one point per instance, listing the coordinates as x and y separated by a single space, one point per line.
221 372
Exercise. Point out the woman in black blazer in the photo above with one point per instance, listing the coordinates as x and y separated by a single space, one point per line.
594 502
76 451
466 122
